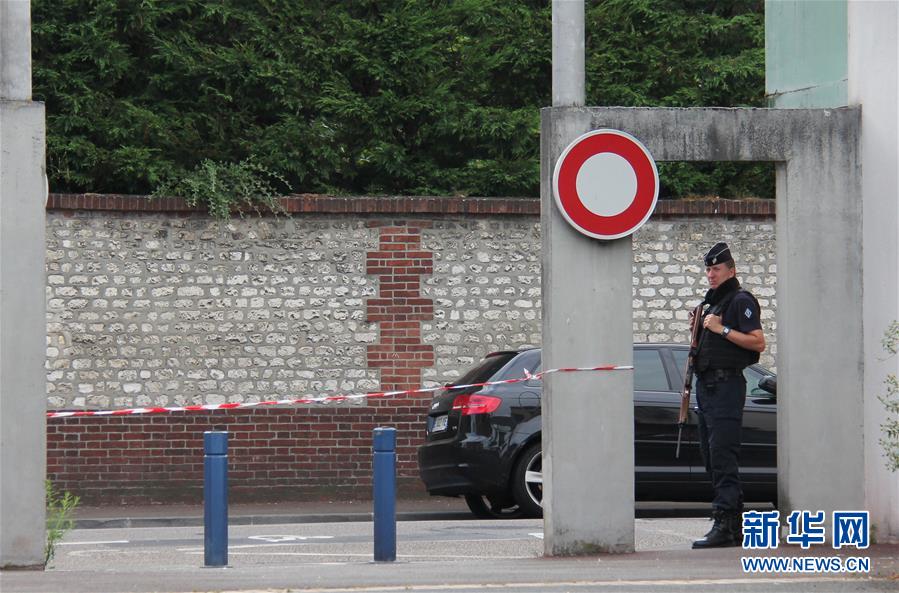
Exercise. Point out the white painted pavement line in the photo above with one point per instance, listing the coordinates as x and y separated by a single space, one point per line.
194 549
555 584
288 538
230 553
97 543
439 557
104 551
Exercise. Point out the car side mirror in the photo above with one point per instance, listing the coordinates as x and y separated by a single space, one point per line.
769 384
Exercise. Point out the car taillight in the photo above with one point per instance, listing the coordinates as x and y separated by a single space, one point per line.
476 404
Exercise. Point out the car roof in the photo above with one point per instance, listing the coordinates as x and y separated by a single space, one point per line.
638 345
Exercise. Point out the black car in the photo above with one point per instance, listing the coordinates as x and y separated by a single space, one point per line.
483 443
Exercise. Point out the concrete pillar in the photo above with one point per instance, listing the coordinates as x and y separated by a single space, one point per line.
15 50
831 54
805 53
820 432
873 80
22 310
588 419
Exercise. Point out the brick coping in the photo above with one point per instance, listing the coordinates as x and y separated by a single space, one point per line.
411 205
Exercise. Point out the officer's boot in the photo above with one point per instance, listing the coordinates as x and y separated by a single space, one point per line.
737 527
721 535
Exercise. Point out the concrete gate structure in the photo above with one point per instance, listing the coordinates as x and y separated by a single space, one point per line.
818 216
828 415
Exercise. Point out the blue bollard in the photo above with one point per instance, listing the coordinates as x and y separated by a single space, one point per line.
215 498
384 482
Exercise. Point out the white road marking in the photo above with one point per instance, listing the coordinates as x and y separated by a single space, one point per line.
295 543
242 547
112 541
288 538
105 551
559 584
369 555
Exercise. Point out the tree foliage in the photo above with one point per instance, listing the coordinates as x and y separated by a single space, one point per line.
364 97
682 53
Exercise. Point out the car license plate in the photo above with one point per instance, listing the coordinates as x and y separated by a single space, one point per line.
440 423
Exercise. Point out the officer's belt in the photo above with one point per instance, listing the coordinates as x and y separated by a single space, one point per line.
719 374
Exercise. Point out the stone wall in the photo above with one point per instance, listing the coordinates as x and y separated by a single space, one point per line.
669 275
148 309
152 304
486 282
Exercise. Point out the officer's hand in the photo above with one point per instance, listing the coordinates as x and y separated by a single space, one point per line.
713 323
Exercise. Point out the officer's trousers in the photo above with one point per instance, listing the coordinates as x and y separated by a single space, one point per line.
720 423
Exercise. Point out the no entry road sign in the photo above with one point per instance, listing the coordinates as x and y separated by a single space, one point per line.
606 184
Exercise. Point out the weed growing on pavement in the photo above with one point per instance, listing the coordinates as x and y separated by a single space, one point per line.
59 517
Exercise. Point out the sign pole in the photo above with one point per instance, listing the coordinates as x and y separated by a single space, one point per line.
568 79
588 441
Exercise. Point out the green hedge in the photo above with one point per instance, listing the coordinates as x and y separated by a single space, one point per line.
367 97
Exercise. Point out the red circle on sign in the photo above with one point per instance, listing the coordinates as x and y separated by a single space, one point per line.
572 205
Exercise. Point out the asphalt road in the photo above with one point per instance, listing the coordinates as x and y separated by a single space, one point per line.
255 545
433 556
248 545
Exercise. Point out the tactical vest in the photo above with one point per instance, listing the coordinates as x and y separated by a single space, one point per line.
716 352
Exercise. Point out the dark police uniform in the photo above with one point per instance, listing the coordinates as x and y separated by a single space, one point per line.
721 394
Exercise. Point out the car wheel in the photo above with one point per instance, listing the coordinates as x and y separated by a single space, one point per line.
485 508
527 481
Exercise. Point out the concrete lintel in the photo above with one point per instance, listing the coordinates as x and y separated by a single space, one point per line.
722 134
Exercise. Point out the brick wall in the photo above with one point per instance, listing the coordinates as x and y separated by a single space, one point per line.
274 454
151 303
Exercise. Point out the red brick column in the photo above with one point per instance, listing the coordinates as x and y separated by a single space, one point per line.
400 263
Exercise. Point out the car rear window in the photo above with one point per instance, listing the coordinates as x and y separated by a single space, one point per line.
483 371
529 360
649 372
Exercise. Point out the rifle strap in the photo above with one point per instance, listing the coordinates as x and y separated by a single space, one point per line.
717 309
695 351
721 305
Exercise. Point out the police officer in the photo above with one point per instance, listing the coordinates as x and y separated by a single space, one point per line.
731 340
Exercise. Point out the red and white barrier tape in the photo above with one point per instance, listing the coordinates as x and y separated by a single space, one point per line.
327 399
